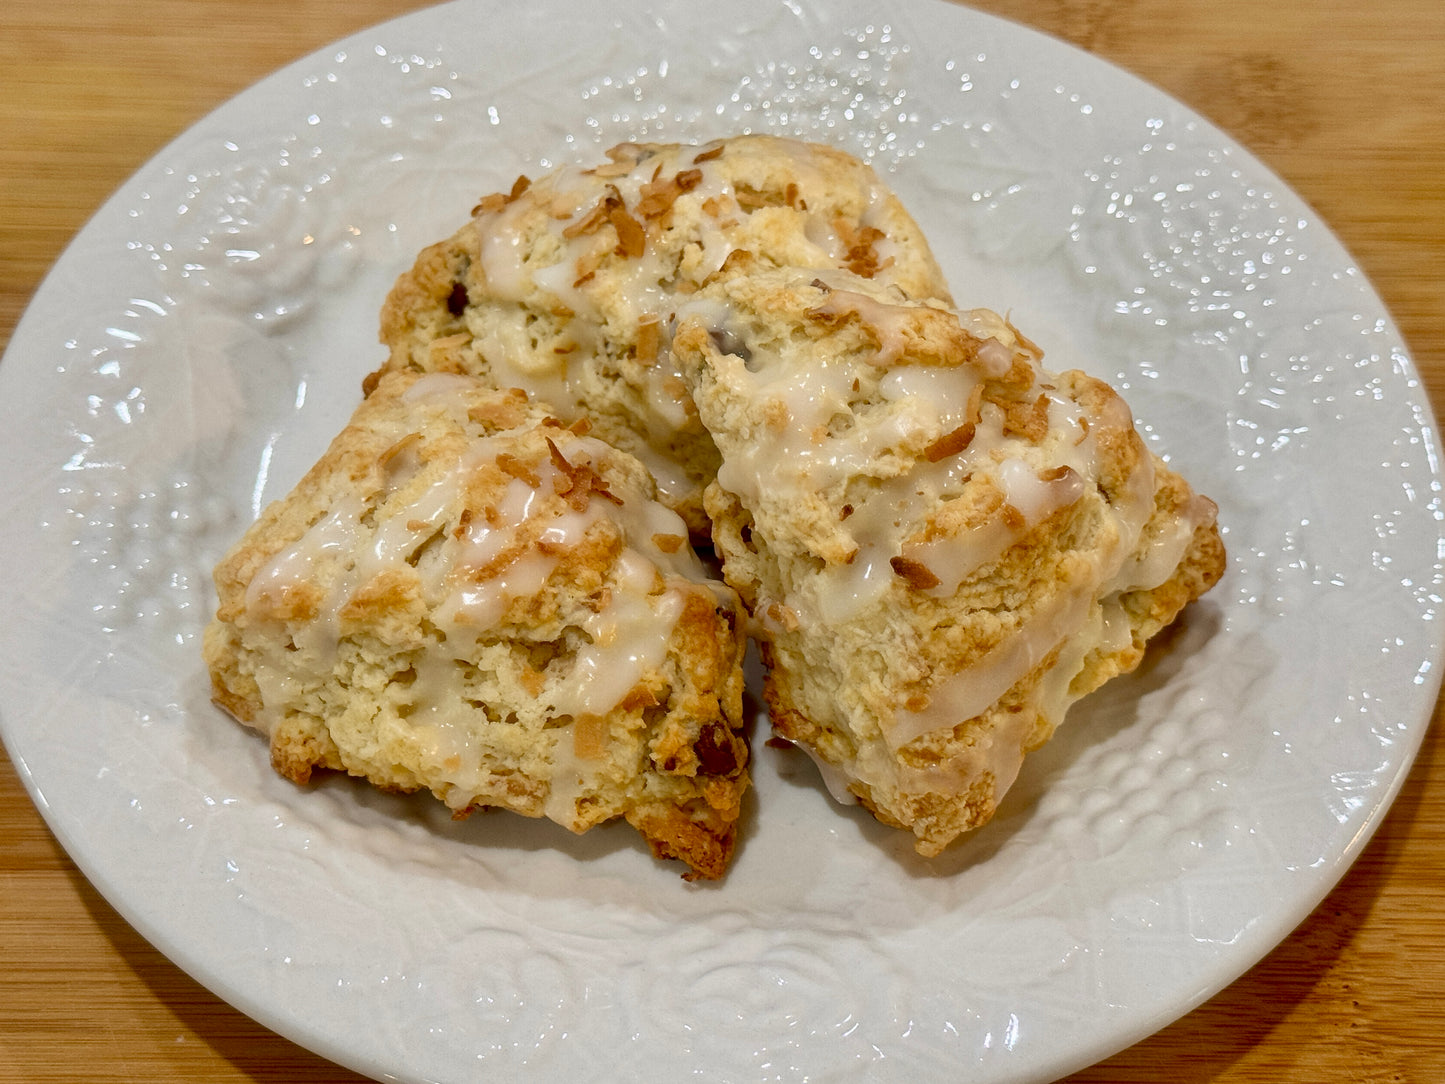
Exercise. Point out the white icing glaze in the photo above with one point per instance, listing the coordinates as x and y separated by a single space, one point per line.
968 693
568 781
834 778
438 387
501 257
630 637
481 606
475 572
994 358
669 476
530 259
1032 495
514 363
995 756
808 441
953 559
889 322
327 539
936 392
1151 565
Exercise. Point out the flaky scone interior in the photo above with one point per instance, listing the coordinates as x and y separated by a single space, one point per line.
566 285
464 596
943 544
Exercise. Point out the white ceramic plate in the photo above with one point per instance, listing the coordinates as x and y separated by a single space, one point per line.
206 334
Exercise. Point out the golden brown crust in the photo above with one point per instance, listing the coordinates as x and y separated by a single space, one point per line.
706 843
463 597
942 543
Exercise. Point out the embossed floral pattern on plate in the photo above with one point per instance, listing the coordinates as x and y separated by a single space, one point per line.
1184 819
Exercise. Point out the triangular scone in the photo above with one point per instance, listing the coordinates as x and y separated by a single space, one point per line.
464 597
943 545
566 286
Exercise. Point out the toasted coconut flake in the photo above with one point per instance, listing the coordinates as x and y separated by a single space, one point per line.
611 169
493 203
596 484
560 462
862 258
974 411
649 339
623 159
1025 343
551 547
587 265
589 223
590 737
785 616
638 698
708 155
503 413
408 441
655 198
631 153
915 573
631 237
739 259
1027 420
576 482
463 521
516 468
489 205
950 443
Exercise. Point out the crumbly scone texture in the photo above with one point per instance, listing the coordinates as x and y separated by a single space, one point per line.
566 286
464 596
942 544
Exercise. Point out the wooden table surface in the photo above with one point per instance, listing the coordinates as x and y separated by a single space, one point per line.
1343 99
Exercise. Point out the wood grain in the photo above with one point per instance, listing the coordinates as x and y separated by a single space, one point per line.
1344 100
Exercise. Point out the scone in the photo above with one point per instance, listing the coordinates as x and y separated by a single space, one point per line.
943 545
462 596
566 286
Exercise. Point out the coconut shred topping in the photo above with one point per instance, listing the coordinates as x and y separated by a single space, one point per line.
470 568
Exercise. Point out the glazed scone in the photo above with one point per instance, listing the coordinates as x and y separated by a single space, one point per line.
943 545
565 286
462 596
